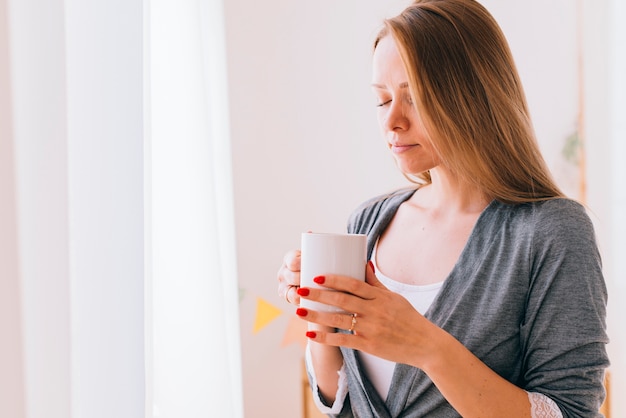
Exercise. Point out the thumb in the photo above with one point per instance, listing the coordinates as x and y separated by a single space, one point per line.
370 276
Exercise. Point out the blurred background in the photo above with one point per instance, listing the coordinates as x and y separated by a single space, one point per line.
158 158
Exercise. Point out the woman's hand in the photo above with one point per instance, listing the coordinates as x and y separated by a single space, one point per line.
385 325
289 277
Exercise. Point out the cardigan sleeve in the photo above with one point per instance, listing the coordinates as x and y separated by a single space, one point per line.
564 330
342 390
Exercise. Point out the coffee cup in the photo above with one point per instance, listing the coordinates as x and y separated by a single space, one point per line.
331 253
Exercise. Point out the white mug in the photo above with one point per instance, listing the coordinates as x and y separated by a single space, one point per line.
326 253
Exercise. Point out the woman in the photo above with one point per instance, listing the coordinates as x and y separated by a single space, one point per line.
484 293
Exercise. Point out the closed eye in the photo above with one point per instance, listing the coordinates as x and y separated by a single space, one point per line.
383 103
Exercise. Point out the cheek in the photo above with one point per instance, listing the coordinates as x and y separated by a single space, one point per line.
381 117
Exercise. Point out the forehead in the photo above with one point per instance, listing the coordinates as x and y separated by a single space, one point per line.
387 66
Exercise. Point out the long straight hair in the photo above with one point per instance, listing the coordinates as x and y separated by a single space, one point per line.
465 86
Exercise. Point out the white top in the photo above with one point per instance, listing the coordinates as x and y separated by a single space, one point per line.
378 370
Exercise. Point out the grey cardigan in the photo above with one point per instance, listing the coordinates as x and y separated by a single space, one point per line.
527 296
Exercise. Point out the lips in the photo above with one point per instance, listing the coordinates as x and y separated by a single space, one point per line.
400 148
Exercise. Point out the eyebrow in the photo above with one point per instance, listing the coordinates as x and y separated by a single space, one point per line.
380 86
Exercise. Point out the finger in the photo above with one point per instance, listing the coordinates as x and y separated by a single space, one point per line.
332 320
346 284
291 295
346 303
337 339
292 260
288 277
370 276
289 271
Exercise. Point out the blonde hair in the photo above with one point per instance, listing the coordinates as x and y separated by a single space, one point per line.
465 85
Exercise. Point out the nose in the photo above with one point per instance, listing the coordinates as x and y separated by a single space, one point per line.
395 118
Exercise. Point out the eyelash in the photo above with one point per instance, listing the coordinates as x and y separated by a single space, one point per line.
389 101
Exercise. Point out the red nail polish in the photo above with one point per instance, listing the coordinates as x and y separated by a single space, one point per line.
303 291
301 312
319 279
311 334
369 263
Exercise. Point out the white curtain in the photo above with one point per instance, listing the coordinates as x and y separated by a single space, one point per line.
118 293
192 305
72 144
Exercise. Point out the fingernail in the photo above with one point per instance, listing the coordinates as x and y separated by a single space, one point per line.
301 312
319 279
311 334
369 263
303 291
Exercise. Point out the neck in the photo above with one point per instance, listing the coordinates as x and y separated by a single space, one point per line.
447 193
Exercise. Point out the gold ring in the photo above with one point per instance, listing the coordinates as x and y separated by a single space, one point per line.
291 286
353 324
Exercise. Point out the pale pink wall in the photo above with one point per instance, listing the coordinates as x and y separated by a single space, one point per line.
306 147
306 150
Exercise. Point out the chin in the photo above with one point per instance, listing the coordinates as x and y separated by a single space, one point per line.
412 169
